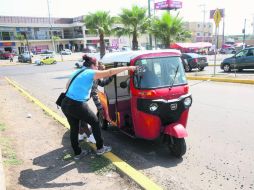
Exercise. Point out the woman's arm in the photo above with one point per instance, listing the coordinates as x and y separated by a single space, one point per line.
113 71
68 83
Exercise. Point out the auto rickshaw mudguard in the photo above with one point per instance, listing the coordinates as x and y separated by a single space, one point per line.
176 130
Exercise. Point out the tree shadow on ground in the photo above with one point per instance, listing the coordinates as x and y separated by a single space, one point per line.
52 165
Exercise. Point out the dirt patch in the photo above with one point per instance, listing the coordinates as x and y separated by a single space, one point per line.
40 151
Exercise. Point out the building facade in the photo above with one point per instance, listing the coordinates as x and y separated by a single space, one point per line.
200 32
71 34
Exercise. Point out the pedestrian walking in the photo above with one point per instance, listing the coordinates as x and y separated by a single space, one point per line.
11 58
75 106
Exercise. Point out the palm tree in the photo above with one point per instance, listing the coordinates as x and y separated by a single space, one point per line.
21 38
168 29
183 36
99 22
56 39
134 22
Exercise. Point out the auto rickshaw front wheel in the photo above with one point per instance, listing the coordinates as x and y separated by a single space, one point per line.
177 146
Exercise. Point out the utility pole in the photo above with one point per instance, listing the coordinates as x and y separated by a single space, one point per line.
204 12
244 33
252 24
149 15
50 23
223 29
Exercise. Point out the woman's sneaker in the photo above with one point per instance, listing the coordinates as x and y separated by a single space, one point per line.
91 139
103 150
82 136
81 155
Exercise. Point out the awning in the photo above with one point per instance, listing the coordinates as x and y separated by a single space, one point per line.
197 45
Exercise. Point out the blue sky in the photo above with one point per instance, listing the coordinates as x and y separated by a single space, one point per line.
234 21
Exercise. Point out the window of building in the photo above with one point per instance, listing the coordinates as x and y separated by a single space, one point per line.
78 33
204 25
198 34
6 35
198 25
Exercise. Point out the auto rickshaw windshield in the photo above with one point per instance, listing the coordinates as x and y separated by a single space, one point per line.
159 72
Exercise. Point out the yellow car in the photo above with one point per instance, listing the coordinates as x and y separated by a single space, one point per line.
47 60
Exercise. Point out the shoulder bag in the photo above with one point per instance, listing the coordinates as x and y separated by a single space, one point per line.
63 94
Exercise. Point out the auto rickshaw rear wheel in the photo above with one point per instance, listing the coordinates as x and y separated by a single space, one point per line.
177 146
103 123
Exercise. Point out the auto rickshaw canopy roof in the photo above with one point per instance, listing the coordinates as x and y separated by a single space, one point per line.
127 56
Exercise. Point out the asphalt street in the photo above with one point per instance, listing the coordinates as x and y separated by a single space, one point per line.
220 142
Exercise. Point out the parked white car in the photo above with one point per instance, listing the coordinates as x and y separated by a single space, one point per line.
66 52
230 50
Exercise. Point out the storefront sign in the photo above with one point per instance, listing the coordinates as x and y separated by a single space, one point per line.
7 44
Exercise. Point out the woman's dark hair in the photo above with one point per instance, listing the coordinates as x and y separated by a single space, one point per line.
88 61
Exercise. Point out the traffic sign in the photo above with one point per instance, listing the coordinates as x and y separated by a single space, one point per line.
217 17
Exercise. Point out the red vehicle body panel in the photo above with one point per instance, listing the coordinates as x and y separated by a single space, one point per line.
176 130
149 126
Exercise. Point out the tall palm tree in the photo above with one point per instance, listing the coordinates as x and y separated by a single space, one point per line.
56 39
135 22
100 23
21 38
168 28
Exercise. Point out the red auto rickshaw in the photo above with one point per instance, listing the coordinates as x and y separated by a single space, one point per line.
152 102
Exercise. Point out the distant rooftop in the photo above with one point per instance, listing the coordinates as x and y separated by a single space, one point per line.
42 20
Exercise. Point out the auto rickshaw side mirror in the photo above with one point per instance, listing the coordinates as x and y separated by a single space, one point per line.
123 84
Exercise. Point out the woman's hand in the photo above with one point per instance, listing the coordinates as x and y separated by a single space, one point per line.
132 68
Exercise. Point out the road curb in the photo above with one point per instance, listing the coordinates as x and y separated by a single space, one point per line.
2 176
217 79
131 172
211 64
12 64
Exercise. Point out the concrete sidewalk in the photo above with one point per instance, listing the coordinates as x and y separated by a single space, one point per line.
2 176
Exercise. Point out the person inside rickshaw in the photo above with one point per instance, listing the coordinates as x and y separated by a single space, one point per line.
160 72
148 78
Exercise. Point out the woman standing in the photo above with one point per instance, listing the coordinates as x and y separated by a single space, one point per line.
75 106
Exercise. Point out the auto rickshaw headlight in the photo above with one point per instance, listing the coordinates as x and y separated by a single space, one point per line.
153 107
187 102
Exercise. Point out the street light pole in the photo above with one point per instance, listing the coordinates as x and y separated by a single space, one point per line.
51 36
204 11
149 15
244 33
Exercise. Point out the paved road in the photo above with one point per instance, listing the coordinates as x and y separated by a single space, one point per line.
209 71
220 143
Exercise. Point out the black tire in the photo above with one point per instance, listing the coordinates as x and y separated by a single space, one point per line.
240 70
177 146
103 123
54 62
200 68
187 68
226 68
